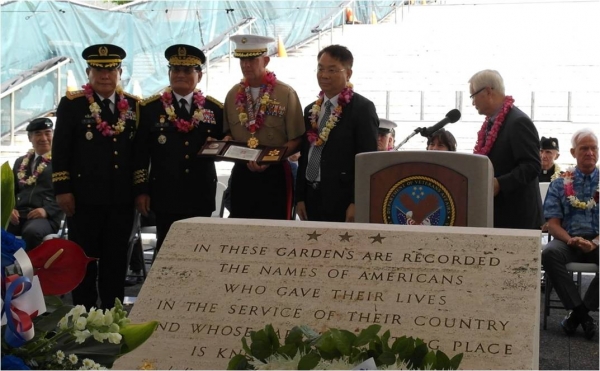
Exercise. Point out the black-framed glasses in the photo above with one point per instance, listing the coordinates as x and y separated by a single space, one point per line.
477 92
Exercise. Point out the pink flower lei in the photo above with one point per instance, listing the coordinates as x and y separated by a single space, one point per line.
102 126
182 125
249 117
317 138
36 172
480 149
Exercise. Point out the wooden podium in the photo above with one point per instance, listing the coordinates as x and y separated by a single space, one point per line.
424 188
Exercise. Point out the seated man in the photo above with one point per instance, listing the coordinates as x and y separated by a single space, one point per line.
36 212
572 212
549 154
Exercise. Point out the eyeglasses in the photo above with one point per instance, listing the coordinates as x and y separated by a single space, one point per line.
477 92
329 71
186 70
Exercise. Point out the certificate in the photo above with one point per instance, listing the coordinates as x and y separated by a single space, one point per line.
242 153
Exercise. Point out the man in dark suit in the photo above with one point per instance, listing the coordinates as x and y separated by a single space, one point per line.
173 126
92 173
339 125
36 213
510 140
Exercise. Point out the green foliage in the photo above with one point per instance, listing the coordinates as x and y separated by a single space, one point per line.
7 195
337 344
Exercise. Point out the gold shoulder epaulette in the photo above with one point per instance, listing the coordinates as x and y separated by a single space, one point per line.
215 101
75 94
132 96
152 98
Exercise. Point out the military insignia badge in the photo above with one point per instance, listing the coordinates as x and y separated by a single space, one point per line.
208 116
275 109
162 119
89 135
162 139
419 200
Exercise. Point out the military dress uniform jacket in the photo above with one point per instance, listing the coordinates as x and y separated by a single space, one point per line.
166 163
39 194
97 169
283 117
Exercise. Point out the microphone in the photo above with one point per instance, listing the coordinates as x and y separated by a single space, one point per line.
451 117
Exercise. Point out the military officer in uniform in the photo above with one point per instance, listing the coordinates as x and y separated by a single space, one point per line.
36 213
92 173
261 110
173 126
548 154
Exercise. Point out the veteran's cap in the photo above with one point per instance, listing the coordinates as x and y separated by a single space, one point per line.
247 46
386 126
104 55
41 123
184 55
549 143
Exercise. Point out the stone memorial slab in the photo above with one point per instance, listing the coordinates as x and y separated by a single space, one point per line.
463 290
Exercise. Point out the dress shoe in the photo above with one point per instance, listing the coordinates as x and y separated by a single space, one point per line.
570 323
589 328
134 279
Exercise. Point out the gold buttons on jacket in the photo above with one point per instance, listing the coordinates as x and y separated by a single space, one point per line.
116 153
187 143
187 157
116 166
114 139
187 170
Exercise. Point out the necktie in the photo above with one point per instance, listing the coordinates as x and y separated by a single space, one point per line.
36 163
106 103
182 105
314 163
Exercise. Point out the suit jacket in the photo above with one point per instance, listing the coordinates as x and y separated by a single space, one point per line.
516 160
356 132
178 181
97 169
39 194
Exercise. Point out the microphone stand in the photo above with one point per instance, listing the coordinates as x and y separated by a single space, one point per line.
417 131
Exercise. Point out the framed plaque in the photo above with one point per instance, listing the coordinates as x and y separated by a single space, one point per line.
239 151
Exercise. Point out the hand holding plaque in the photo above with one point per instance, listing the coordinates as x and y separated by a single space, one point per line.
236 151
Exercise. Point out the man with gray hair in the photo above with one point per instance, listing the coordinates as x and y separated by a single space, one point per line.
571 208
510 140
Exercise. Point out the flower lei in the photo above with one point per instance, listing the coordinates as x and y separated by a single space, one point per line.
182 125
36 172
570 192
313 135
254 119
480 149
102 126
556 172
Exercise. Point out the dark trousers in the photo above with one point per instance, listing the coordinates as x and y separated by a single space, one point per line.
266 195
32 231
313 201
164 222
103 232
554 257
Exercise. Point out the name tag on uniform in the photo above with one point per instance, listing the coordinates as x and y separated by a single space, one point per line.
209 116
274 108
88 120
